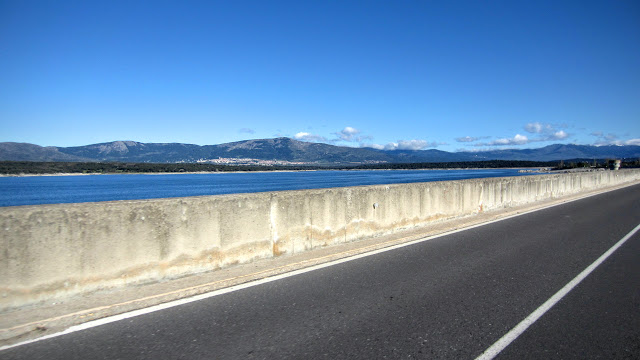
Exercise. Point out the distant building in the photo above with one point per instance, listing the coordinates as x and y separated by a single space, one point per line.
615 165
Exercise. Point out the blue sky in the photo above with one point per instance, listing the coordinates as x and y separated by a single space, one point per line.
450 75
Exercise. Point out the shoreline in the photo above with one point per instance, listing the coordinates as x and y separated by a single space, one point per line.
531 170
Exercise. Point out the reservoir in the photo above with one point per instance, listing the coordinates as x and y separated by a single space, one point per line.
35 190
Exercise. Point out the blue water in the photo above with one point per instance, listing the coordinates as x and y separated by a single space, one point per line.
33 190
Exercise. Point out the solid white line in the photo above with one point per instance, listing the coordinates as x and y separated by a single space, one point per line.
130 314
509 337
179 302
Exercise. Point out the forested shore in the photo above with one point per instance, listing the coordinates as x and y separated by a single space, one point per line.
52 168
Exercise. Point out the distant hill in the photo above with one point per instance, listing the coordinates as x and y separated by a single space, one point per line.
11 151
286 150
564 152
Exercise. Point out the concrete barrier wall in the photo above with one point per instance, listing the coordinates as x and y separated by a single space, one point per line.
51 251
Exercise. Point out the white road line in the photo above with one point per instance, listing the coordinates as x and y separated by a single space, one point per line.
509 337
114 318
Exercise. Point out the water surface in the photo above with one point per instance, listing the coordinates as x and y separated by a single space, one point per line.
33 190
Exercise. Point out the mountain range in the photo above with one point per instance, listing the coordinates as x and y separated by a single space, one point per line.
289 151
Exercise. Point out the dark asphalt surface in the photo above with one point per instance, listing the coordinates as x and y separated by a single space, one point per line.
448 298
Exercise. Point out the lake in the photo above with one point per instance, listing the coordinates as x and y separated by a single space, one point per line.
34 190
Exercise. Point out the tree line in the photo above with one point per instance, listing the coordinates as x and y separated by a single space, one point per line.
34 168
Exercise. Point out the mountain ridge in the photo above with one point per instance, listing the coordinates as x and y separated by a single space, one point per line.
287 150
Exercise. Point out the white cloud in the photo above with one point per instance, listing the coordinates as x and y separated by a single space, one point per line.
410 145
349 131
605 137
559 135
305 136
246 131
536 127
373 146
501 142
548 132
472 150
403 145
391 146
520 139
348 134
470 139
516 140
467 139
612 139
635 142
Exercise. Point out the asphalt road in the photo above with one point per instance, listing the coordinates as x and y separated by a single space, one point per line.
447 298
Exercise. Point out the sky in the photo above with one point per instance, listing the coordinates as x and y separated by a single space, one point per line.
448 75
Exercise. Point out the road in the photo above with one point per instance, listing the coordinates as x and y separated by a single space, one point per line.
451 297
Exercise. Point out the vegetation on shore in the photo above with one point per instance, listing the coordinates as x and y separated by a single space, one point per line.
491 164
37 168
597 164
41 168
